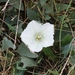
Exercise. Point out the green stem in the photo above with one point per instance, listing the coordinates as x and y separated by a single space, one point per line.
60 34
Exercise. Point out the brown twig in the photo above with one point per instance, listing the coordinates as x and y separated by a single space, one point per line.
10 63
17 23
5 6
65 63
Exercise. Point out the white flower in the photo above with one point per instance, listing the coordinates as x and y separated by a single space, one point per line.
37 35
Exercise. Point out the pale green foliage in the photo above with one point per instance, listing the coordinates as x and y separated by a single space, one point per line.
27 62
24 51
7 44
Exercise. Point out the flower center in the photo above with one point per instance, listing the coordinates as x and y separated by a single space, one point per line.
38 37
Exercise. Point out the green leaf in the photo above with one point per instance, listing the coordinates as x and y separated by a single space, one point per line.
66 49
66 40
72 16
3 0
64 33
66 25
49 53
54 72
10 27
24 51
26 62
19 28
32 15
47 17
20 73
42 2
13 28
16 4
49 8
7 44
61 7
72 59
60 17
8 19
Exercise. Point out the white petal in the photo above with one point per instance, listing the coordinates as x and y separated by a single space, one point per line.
31 29
48 32
35 47
27 41
48 28
35 26
48 41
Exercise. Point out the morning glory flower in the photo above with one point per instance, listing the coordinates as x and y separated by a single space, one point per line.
38 35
